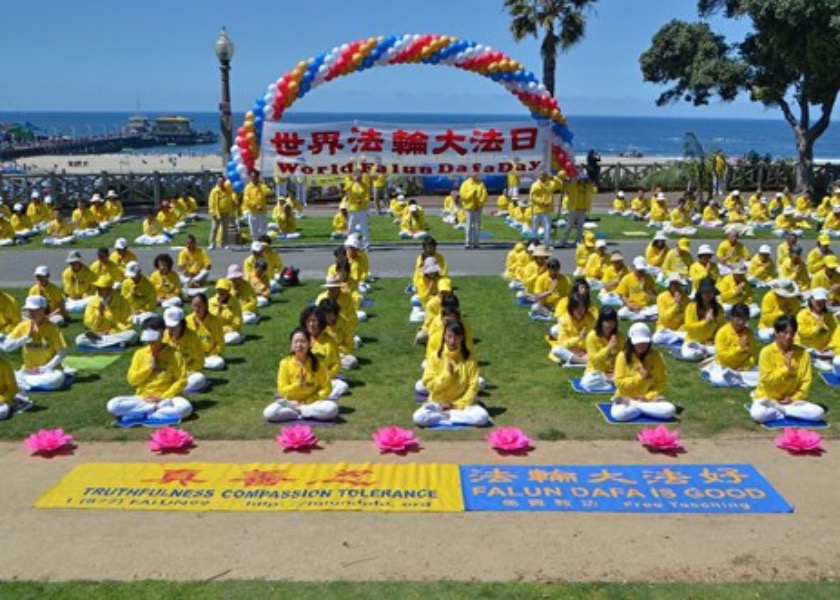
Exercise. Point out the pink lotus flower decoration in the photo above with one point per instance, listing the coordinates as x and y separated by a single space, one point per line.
170 439
49 442
509 440
799 441
660 439
395 439
297 437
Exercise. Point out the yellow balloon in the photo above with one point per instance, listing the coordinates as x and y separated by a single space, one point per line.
249 116
293 85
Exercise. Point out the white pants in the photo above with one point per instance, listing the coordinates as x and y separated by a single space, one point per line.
566 356
199 278
257 225
232 338
54 241
138 318
696 350
724 376
595 284
171 407
666 337
668 228
77 306
348 362
576 219
339 387
766 334
542 220
262 301
320 410
195 383
357 221
648 312
407 235
763 410
250 317
88 233
170 302
513 192
634 409
755 311
152 240
47 380
610 299
473 228
214 362
431 413
596 381
110 340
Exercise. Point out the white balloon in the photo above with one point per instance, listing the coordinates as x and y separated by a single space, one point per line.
269 98
323 69
532 86
242 170
416 37
268 112
344 47
272 88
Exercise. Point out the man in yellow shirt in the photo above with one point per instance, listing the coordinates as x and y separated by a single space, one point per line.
816 257
719 170
828 278
158 375
77 281
731 252
580 192
638 293
473 196
736 289
357 193
782 299
542 201
255 201
9 314
139 292
736 352
784 378
56 312
107 320
221 206
193 266
611 277
762 269
209 329
671 305
43 349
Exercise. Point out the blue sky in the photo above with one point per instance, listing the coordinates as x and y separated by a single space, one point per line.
110 55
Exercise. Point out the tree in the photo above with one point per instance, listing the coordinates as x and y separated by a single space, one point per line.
564 22
790 61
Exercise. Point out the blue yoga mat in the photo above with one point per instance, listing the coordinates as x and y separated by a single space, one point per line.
367 303
604 407
111 350
127 422
455 426
791 422
581 390
523 301
830 379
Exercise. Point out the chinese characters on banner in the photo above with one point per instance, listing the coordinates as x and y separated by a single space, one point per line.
340 148
620 488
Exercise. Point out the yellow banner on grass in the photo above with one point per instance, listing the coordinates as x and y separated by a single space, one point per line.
259 487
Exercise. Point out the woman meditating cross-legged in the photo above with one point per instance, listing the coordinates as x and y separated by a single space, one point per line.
451 376
640 379
303 385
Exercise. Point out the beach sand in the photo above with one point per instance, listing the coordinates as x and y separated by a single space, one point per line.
121 163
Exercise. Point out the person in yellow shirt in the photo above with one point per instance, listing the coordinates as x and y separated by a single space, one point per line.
84 223
671 305
77 281
711 216
56 311
619 205
158 375
603 344
244 293
679 220
786 223
9 314
168 219
12 400
337 329
8 237
531 273
658 211
357 194
37 211
794 268
549 288
760 217
59 231
762 269
513 181
579 192
380 191
139 293
638 293
100 212
720 168
121 255
656 252
339 222
194 266
804 205
735 288
816 257
186 342
114 206
314 320
166 282
153 233
703 317
285 222
784 378
303 385
832 222
703 267
611 277
782 299
731 252
640 379
397 205
107 320
210 331
815 329
828 278
783 249
413 223
43 349
678 260
640 207
473 195
542 201
582 252
226 307
736 353
568 348
451 376
593 271
255 203
21 223
221 206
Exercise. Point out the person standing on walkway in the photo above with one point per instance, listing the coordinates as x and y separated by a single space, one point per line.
719 170
473 195
358 197
255 201
580 191
221 205
542 202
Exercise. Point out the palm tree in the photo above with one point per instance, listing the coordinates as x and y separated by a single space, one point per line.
564 22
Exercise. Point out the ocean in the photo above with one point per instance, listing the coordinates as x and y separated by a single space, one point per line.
654 137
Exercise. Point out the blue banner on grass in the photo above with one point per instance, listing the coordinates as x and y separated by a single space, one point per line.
620 488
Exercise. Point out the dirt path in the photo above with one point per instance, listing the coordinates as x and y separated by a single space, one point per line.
125 545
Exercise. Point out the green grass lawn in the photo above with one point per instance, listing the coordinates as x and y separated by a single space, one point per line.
161 590
525 389
316 230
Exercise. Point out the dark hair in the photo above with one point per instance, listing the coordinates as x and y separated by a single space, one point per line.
577 300
456 327
102 251
581 281
265 238
319 315
165 258
311 356
628 351
702 307
339 252
740 310
430 242
450 301
328 305
607 313
190 238
553 264
202 296
260 263
784 323
154 322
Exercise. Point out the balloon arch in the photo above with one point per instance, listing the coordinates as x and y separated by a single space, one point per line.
395 50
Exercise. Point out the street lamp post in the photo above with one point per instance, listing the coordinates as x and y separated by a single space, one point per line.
224 52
